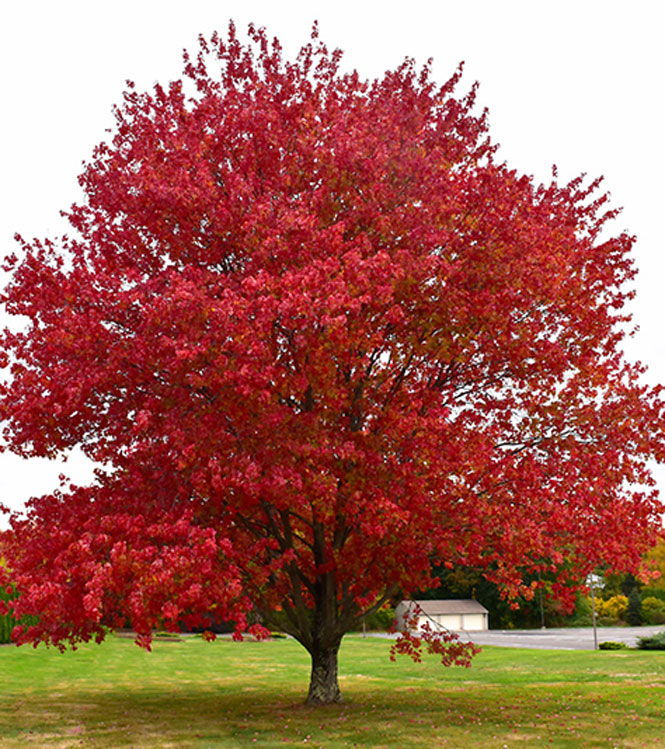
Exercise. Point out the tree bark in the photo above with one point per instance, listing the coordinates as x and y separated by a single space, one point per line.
323 686
325 636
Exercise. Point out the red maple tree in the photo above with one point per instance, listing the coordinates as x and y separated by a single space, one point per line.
318 340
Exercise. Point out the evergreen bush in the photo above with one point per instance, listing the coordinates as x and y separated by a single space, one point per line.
633 612
653 642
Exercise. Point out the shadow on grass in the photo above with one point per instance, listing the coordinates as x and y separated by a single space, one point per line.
408 716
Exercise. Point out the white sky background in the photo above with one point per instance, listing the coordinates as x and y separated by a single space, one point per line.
579 84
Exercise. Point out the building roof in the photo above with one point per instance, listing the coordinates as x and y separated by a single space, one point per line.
433 608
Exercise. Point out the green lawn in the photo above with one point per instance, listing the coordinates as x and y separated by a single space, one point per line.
226 694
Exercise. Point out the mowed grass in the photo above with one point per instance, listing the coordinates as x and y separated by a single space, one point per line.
226 694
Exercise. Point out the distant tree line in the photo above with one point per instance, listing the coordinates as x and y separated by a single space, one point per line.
620 598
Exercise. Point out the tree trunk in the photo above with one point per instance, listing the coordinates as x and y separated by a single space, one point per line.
325 636
323 686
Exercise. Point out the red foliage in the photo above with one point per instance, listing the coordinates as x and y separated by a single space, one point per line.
319 340
440 641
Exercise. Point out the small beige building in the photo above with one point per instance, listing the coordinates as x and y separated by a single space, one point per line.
466 615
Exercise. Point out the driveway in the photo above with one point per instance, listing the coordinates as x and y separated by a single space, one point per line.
569 638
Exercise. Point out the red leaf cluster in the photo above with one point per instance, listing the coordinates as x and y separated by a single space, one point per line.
440 642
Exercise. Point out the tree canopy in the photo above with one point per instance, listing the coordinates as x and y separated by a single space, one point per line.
318 339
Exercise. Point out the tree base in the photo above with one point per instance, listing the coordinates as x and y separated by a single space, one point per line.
323 686
317 698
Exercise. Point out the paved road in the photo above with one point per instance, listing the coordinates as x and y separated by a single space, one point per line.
569 638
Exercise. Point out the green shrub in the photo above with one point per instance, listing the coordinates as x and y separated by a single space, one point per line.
381 619
653 610
582 617
611 645
650 592
654 642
